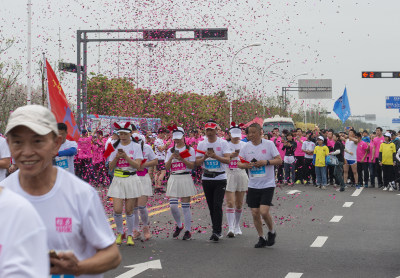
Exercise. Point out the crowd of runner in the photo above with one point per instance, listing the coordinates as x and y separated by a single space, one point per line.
134 165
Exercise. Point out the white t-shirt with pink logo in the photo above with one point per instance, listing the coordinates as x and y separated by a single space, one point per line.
72 213
178 166
23 238
133 150
148 153
264 177
234 147
220 148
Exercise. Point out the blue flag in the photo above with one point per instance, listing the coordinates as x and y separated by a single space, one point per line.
342 107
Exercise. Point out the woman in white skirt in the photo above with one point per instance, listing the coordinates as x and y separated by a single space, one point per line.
125 160
180 160
237 181
149 160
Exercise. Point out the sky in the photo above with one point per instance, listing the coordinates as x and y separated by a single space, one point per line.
326 39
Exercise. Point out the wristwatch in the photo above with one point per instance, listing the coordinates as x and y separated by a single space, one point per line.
268 162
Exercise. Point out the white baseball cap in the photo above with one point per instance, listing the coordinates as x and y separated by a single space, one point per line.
178 133
321 138
37 118
388 134
235 132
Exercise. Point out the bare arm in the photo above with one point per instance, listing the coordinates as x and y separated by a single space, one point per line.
5 163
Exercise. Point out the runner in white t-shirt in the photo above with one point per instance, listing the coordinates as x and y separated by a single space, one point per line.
237 181
5 158
23 240
67 151
149 160
126 186
212 153
77 227
159 149
350 156
259 157
180 183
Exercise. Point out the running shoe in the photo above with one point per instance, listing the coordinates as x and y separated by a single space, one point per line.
385 188
187 235
177 231
298 181
358 186
261 242
230 234
390 188
271 239
238 231
366 185
323 187
129 241
214 237
118 241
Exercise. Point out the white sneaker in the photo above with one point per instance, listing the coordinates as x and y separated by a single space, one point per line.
385 188
238 231
391 188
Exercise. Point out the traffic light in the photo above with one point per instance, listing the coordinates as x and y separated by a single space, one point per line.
396 74
371 74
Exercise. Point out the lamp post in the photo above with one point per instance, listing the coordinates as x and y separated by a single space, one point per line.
292 79
231 61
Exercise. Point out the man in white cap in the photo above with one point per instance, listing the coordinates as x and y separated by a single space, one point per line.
70 208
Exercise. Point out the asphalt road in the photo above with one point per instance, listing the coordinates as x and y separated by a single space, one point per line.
363 243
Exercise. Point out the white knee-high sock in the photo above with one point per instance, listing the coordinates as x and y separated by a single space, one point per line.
238 215
230 216
173 204
136 222
118 222
187 216
130 219
144 215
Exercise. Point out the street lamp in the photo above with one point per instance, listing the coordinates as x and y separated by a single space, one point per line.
288 84
231 61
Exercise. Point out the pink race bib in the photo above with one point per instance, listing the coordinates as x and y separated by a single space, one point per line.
233 164
178 166
123 163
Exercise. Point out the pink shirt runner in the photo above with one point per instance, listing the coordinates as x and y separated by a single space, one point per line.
85 147
299 151
330 142
278 143
361 150
98 150
377 143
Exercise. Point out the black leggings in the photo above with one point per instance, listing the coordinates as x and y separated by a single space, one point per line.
214 190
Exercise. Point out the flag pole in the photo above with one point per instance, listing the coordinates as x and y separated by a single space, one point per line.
46 81
29 52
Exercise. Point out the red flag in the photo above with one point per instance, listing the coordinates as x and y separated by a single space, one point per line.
198 151
143 161
243 160
109 150
59 105
185 154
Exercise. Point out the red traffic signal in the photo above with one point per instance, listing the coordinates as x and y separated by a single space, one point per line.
371 74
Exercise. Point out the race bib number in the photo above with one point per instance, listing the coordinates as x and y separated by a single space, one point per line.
257 172
122 162
212 164
178 166
62 162
233 164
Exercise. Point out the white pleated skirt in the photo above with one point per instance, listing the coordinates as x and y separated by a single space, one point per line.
146 185
125 188
237 180
180 186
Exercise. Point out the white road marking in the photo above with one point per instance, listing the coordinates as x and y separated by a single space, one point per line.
290 192
319 241
348 204
357 192
294 275
336 218
139 268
